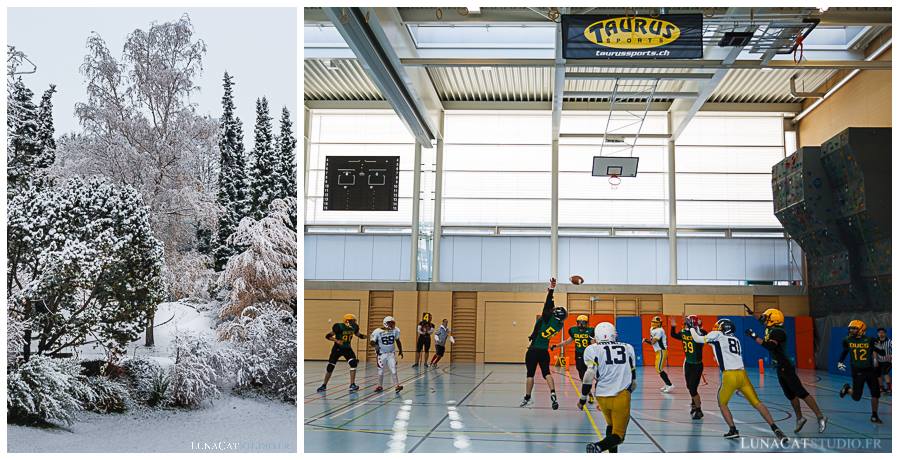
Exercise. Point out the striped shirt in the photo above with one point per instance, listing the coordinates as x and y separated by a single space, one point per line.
886 346
440 337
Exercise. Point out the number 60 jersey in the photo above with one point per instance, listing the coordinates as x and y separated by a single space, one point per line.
611 363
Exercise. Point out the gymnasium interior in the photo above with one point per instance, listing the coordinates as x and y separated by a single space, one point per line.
458 158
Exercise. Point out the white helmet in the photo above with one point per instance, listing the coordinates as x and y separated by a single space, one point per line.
605 332
388 319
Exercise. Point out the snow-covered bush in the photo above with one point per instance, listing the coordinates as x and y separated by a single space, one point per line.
158 389
194 376
263 345
43 389
85 262
106 395
190 276
142 375
15 333
267 269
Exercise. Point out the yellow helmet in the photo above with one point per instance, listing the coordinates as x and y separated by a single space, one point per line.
772 317
582 318
859 326
656 321
349 317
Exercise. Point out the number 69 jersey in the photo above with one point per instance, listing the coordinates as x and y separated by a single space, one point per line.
726 348
385 340
612 364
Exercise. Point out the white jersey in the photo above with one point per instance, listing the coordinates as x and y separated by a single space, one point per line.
726 348
612 364
385 340
660 335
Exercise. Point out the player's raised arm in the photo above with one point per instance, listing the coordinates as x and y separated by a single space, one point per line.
696 335
548 303
673 333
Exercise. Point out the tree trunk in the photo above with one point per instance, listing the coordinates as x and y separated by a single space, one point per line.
149 331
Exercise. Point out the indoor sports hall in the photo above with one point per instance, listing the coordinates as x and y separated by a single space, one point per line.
709 188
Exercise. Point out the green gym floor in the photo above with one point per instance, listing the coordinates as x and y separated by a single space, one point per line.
475 408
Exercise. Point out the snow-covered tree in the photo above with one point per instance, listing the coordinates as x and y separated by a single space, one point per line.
30 147
190 276
232 180
194 376
15 337
264 344
141 129
267 269
286 172
264 166
82 264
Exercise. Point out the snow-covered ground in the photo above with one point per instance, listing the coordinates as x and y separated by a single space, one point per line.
230 424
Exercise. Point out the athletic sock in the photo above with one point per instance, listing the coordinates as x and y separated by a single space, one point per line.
773 427
665 378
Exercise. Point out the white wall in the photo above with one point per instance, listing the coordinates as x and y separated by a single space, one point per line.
727 259
615 260
495 259
357 257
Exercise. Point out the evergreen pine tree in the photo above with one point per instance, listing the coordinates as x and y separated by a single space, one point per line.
23 149
263 180
232 177
287 172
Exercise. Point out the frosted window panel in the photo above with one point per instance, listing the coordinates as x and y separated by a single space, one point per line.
737 187
790 142
316 216
727 159
613 213
498 128
361 126
580 158
497 157
595 123
496 212
583 185
721 130
318 153
496 185
725 214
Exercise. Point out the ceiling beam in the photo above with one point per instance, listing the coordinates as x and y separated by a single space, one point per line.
627 94
653 63
683 110
361 29
636 76
566 106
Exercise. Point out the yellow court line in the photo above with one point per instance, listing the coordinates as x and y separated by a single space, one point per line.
586 405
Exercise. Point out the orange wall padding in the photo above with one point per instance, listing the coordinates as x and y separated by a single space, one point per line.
804 331
646 348
593 321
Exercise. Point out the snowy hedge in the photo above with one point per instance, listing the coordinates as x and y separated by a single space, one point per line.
105 395
264 350
194 377
147 380
45 390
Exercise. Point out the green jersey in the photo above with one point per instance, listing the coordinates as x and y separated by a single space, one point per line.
544 330
776 342
693 351
344 333
860 350
582 336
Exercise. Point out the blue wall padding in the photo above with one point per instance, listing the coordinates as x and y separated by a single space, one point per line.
790 327
629 329
751 350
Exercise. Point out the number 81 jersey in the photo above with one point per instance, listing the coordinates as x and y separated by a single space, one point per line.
611 363
726 348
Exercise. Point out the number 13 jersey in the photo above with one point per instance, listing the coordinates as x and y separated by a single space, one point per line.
612 363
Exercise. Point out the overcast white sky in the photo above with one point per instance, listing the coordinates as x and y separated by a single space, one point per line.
258 46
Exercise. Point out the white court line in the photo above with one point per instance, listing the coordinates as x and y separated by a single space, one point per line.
397 443
460 440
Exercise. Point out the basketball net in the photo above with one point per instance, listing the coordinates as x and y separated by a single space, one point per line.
614 181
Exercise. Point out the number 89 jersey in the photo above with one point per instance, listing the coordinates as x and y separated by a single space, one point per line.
612 363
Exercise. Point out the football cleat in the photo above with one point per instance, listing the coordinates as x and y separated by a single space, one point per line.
667 388
779 435
378 389
800 422
527 403
732 434
321 389
845 389
398 389
353 387
822 423
875 419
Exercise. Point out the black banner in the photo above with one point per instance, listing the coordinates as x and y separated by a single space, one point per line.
361 183
667 36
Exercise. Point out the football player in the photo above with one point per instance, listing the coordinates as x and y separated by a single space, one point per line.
693 360
440 342
546 326
658 340
341 334
862 365
727 350
884 362
385 341
423 339
775 341
582 335
611 365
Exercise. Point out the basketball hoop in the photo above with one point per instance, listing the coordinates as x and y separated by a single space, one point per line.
614 181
